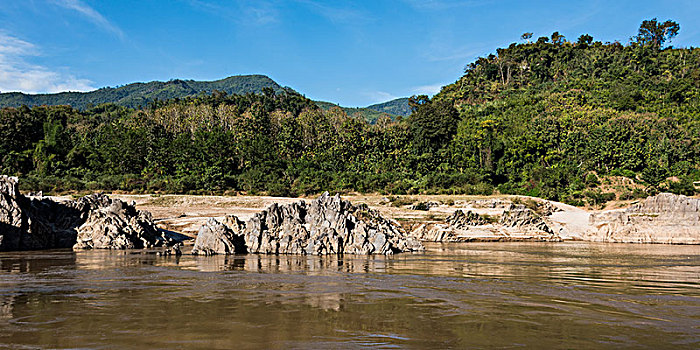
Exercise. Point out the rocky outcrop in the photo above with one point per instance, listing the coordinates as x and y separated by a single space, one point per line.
36 223
517 223
460 219
12 222
455 228
425 206
95 221
664 218
216 237
523 219
114 224
326 225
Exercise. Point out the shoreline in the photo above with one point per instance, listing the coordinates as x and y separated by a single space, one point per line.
187 213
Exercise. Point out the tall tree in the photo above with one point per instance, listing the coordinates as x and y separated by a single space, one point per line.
653 33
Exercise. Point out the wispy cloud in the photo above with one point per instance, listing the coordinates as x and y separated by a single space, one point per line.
256 13
92 15
379 96
441 5
16 74
431 89
334 13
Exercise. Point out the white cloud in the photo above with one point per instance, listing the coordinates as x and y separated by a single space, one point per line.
427 89
16 74
91 14
380 96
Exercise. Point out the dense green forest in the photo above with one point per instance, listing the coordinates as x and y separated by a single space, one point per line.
582 122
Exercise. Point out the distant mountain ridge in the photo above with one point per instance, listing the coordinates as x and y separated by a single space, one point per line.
141 94
397 106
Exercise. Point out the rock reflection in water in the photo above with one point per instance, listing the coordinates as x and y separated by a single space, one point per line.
565 295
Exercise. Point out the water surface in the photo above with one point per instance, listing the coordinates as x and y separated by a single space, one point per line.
475 295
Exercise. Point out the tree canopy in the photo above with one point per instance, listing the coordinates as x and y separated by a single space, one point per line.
581 122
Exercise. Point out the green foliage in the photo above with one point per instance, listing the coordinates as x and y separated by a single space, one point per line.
397 107
550 118
143 94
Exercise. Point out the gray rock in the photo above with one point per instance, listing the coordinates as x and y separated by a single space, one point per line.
460 219
11 217
522 218
664 218
95 221
425 206
326 225
114 224
517 223
215 237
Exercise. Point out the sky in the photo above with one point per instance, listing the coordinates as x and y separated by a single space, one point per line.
354 53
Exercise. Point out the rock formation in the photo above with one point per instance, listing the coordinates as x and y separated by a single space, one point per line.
524 220
454 229
425 206
327 225
216 237
94 221
113 224
664 218
517 223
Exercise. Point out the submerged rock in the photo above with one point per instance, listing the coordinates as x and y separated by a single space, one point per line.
326 225
95 221
664 218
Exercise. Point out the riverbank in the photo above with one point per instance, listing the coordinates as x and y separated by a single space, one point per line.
669 219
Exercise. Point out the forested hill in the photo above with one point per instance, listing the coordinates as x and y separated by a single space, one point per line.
395 108
575 121
141 94
578 121
137 95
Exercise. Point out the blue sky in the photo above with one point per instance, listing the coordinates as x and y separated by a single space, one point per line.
350 52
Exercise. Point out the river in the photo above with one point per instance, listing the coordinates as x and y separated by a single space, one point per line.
474 295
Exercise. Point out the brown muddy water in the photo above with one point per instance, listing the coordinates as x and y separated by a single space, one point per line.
475 295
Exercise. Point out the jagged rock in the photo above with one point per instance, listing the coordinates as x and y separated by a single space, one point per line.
460 219
11 218
425 206
453 229
664 218
517 223
522 218
114 224
326 225
215 237
28 224
95 221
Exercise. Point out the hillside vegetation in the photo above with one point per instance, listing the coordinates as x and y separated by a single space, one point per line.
370 113
583 122
141 94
